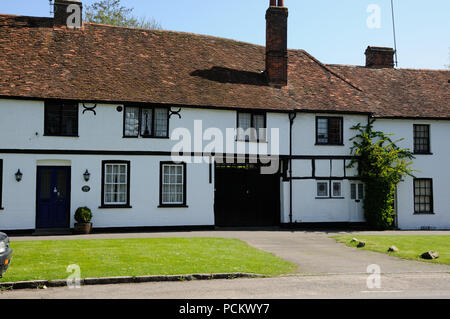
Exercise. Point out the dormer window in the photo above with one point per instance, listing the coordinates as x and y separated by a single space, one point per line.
146 122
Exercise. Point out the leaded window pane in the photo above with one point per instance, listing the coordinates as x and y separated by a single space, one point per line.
131 121
245 123
69 119
260 126
360 191
329 130
353 191
61 118
251 127
146 122
322 189
334 131
337 192
161 119
322 131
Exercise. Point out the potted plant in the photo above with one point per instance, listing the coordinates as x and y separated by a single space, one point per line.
83 216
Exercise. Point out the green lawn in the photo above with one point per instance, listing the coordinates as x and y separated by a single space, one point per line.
410 246
48 260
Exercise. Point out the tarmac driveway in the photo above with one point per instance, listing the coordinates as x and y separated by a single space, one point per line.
317 253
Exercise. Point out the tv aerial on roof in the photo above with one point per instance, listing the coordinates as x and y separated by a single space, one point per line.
395 37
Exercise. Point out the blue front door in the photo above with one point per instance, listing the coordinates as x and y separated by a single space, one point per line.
53 197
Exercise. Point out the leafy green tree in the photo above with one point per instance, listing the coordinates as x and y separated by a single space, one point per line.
113 13
381 165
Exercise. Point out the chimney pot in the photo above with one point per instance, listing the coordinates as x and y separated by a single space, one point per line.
379 57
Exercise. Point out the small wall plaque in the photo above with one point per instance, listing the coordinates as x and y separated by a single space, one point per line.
85 189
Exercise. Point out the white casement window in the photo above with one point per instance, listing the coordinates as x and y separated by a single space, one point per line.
322 189
329 189
251 127
116 184
357 191
173 184
146 122
336 189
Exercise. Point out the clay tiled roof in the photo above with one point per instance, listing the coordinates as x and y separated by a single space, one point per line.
105 63
402 92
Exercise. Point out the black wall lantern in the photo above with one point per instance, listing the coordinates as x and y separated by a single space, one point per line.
87 176
19 175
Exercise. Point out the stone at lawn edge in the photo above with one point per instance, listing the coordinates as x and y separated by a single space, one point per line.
430 255
393 249
361 244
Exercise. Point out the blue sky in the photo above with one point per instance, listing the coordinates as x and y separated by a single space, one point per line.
334 31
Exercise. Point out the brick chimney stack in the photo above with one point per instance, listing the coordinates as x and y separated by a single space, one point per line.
276 44
67 14
379 58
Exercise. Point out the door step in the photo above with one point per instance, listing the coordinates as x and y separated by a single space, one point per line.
52 232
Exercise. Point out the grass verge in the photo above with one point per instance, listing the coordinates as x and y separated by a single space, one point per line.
48 260
410 246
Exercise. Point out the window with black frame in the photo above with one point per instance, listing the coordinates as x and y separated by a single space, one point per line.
172 186
146 122
329 130
251 127
115 184
422 139
357 191
61 118
423 196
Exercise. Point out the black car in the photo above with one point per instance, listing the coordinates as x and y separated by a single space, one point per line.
5 253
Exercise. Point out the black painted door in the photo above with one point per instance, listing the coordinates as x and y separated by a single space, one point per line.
244 197
53 197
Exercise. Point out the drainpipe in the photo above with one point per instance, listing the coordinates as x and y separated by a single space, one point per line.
292 117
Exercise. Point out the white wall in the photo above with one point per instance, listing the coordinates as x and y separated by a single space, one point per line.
22 127
306 207
309 209
304 135
435 166
19 198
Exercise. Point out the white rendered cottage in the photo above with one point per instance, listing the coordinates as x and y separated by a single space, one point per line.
89 116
